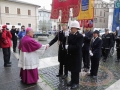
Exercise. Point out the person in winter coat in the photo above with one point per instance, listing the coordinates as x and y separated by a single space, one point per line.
95 53
21 34
61 38
106 45
74 54
85 50
5 42
117 39
14 38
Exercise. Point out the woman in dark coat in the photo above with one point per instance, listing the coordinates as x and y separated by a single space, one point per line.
95 53
74 47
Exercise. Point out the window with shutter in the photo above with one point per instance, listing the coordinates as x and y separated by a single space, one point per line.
29 12
18 10
29 25
6 9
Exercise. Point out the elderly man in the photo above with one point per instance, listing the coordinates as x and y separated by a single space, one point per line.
30 50
74 54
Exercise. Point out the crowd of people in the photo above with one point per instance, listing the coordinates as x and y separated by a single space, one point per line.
74 48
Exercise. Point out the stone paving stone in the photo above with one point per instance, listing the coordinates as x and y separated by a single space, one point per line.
109 72
9 77
34 88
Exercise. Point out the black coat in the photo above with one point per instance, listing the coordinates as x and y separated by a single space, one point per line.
62 51
117 42
87 39
107 41
96 47
13 32
74 60
113 39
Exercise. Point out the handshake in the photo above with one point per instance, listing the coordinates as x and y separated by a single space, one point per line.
47 46
90 52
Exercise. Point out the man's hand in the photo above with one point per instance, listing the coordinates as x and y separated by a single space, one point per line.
47 46
66 46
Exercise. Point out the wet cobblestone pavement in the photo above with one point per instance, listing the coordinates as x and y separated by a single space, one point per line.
109 72
9 77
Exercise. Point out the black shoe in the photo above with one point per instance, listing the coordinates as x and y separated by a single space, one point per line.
69 83
90 75
8 65
14 50
59 75
64 77
74 86
94 77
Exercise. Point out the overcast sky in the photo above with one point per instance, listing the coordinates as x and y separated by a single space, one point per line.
44 3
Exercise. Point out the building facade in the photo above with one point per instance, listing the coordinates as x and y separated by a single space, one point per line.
13 12
101 15
44 20
110 20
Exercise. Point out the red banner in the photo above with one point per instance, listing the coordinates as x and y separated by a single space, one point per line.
86 23
64 6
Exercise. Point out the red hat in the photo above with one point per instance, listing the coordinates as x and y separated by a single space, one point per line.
4 26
